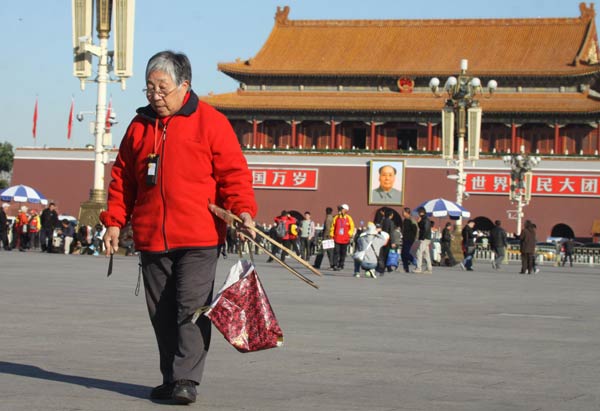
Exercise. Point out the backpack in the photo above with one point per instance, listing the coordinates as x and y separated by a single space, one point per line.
280 229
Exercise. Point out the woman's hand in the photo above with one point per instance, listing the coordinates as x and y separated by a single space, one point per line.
111 240
245 225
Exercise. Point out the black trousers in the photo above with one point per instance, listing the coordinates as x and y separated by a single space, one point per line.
305 248
339 254
447 251
176 284
46 235
407 257
570 257
527 262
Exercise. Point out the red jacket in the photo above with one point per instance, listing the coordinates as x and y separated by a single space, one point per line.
342 229
288 220
200 162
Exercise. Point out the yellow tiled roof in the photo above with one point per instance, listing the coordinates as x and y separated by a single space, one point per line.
512 47
299 101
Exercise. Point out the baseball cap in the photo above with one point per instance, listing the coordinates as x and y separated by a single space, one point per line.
345 207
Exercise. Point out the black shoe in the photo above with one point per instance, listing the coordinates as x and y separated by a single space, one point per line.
469 269
270 259
163 391
184 392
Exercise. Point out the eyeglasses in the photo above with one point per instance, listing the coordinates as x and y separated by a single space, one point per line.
162 93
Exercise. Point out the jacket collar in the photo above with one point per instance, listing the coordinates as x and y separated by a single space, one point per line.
186 110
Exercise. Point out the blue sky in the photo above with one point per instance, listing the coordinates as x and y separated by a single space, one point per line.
37 59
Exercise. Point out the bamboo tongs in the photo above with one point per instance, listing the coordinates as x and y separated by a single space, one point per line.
234 221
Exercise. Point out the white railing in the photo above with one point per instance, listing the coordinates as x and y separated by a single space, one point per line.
589 256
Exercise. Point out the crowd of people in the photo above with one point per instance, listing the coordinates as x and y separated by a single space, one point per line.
410 241
383 245
45 232
29 230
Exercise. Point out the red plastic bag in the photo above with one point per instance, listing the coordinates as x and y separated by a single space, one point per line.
242 312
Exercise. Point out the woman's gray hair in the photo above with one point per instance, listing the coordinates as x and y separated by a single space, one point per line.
176 65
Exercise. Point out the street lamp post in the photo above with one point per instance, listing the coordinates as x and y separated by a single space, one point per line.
520 182
119 61
463 114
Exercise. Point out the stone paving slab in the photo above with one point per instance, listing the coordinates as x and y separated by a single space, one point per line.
73 339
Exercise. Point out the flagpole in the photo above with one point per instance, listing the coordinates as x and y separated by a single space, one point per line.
70 121
35 117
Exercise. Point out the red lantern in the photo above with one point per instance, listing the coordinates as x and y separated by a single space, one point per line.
406 85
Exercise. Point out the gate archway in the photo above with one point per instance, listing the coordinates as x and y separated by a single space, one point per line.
483 223
562 230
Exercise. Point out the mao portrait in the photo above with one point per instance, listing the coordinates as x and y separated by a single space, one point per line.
386 182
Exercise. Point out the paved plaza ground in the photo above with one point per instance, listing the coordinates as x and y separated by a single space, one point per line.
73 339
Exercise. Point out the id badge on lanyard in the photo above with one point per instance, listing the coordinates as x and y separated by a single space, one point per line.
152 170
153 158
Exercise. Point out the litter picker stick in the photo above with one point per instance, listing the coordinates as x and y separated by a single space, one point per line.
232 219
274 257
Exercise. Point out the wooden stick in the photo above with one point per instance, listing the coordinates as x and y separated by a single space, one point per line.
274 257
232 219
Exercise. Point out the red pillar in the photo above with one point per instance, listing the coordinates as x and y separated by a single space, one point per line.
254 132
294 141
513 139
557 145
373 142
333 136
429 136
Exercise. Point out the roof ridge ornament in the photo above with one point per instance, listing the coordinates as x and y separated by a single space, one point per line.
587 12
281 16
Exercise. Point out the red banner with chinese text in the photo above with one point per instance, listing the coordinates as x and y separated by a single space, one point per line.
285 178
542 184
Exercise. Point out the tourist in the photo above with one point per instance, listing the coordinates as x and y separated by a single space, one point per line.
178 156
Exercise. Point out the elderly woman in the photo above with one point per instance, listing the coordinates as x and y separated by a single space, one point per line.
177 156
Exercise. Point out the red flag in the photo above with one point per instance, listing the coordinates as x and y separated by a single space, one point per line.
70 125
108 112
35 114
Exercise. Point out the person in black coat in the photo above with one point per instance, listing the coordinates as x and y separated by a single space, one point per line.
409 235
424 249
528 240
468 246
568 247
498 244
446 243
388 226
49 221
5 226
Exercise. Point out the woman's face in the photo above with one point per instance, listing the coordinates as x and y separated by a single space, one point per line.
165 97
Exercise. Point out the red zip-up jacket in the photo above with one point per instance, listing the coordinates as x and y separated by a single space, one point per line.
200 162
